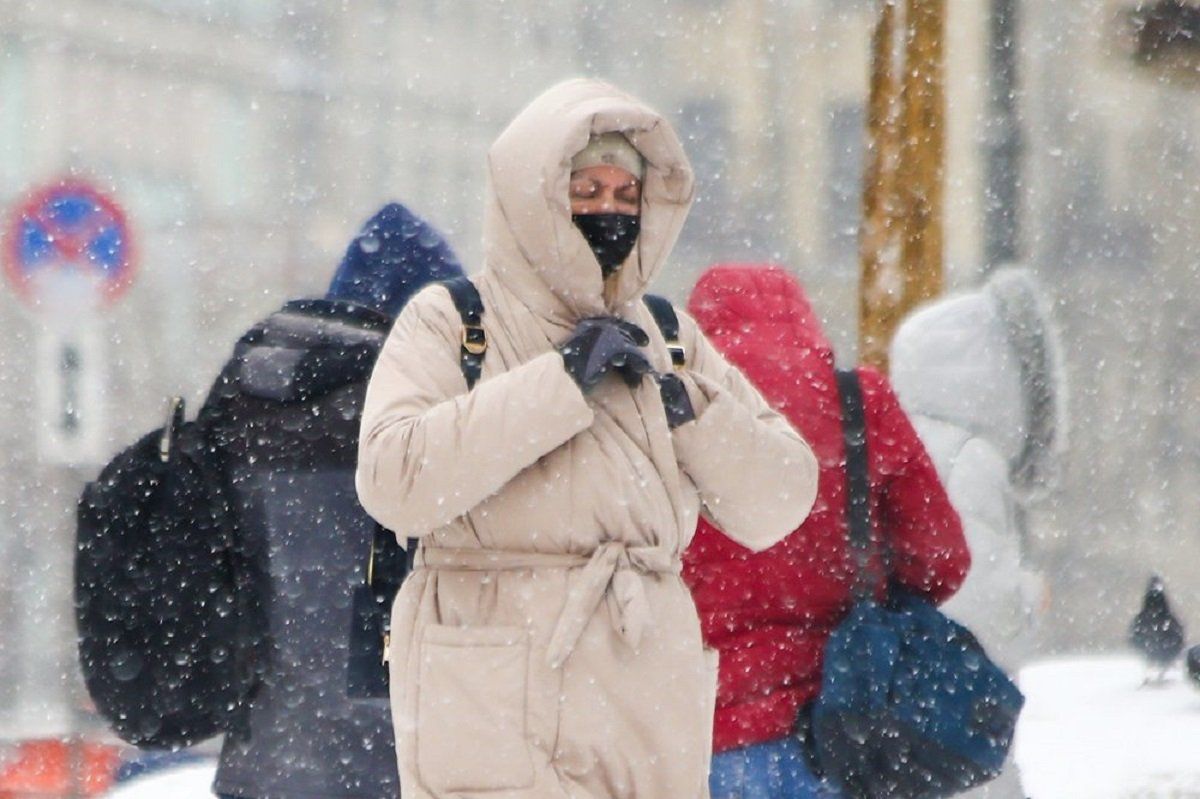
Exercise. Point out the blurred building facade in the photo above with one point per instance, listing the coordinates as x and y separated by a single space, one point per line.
247 140
1110 219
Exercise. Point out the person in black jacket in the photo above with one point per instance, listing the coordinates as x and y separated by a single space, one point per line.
286 435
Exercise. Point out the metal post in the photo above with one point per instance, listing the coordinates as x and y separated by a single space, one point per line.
903 208
923 151
1002 202
879 251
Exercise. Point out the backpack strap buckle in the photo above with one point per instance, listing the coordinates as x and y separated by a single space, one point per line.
678 354
474 340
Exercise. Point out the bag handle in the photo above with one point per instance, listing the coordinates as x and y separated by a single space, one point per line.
858 488
172 425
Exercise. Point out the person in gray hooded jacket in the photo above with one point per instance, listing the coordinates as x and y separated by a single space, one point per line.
980 375
286 434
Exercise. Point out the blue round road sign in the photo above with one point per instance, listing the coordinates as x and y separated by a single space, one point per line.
68 232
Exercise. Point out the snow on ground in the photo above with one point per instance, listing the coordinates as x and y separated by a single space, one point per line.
191 781
1090 731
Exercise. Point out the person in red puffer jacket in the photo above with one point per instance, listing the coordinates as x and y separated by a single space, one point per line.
769 614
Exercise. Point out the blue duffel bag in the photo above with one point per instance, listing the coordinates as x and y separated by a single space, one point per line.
910 706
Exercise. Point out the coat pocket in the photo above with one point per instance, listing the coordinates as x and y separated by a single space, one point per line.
471 709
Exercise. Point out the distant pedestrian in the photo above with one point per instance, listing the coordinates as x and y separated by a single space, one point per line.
980 374
770 613
545 645
287 437
217 558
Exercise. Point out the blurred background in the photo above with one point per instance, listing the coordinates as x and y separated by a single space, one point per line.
245 141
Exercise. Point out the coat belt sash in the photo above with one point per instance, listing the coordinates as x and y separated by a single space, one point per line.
614 573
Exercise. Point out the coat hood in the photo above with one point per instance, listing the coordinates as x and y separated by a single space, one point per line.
989 362
394 255
759 300
308 349
760 319
532 246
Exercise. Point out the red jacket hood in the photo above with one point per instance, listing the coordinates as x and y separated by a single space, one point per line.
758 316
760 302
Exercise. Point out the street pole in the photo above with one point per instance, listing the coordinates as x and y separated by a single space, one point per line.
903 259
879 240
923 154
1002 202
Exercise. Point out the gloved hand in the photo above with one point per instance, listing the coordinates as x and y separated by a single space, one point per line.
602 344
676 400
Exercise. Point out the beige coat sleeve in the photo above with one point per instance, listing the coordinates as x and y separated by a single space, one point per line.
429 450
756 476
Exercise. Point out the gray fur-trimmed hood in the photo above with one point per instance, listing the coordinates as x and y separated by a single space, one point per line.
989 361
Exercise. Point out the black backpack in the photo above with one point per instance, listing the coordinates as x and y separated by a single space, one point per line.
388 563
164 633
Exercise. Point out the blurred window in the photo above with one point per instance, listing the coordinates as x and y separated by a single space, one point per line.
708 140
13 82
234 169
843 182
256 12
851 5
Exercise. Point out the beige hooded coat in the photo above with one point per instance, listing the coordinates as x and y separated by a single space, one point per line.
545 645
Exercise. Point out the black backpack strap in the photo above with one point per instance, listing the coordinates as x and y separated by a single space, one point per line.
858 489
474 340
668 324
388 563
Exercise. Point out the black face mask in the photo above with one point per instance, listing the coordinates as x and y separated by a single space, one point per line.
611 237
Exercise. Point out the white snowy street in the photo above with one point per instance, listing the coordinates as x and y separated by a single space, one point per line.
1090 731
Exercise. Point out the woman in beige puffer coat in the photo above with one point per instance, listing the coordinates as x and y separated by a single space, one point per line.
545 645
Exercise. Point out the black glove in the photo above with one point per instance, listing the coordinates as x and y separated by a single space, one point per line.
676 400
603 344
